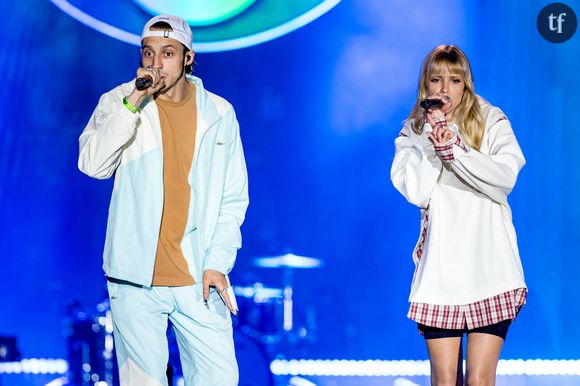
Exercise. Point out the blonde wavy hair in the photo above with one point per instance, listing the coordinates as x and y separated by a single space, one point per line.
468 114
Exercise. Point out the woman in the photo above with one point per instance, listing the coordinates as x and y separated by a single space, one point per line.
457 163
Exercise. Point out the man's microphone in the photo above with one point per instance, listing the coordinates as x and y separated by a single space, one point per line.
434 103
143 83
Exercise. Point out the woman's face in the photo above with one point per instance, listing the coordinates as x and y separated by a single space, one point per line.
446 83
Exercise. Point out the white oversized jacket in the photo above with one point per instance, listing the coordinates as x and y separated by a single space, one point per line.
470 251
129 145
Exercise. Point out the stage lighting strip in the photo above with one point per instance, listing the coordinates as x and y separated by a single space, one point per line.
35 366
350 368
414 368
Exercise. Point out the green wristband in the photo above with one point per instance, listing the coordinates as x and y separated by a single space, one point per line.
129 106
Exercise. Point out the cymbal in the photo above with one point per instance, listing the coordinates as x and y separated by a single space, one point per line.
259 291
288 260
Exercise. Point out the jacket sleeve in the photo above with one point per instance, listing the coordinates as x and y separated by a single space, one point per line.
492 174
227 238
415 167
111 127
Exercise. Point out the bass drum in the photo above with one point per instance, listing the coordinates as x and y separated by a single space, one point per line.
253 361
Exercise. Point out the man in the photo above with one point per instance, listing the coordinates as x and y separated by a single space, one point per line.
179 198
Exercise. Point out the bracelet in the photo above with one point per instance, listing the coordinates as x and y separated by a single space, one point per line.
130 107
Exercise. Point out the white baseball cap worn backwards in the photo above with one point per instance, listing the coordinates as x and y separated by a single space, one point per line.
181 30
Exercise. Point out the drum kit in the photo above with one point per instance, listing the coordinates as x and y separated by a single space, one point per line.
269 325
268 314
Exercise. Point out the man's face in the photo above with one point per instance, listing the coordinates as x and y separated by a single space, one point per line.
167 56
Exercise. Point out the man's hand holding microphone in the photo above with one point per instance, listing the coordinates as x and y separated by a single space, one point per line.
148 82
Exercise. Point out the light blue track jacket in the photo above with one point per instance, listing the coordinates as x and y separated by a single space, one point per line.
129 145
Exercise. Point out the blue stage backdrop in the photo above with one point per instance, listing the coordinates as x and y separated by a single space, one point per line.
319 108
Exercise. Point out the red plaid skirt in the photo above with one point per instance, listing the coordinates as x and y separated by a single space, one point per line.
479 314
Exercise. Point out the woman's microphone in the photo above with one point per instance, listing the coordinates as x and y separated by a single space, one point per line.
435 103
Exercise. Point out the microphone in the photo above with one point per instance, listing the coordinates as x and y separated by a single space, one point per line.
434 103
143 83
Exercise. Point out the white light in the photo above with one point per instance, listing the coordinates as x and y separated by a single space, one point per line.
35 366
398 368
109 322
287 309
297 381
109 343
404 382
10 367
58 382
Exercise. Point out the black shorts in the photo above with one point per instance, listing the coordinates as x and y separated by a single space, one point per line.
499 329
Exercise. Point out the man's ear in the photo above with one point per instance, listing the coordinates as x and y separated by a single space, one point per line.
189 58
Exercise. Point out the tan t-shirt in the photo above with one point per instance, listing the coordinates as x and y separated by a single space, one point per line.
178 128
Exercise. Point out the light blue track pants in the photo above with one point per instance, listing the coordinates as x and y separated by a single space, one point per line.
203 331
